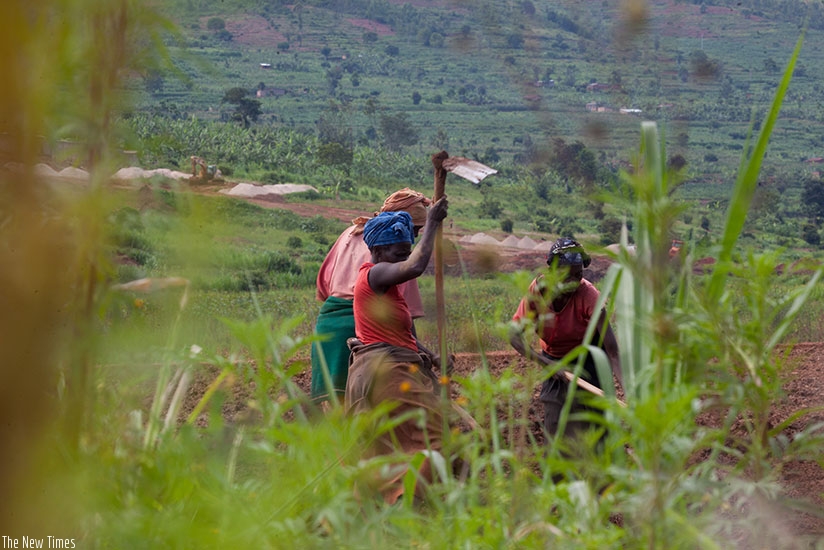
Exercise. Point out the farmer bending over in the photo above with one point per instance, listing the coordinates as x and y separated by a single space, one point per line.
336 289
388 364
560 317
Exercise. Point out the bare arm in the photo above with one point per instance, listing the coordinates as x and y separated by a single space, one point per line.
518 341
385 274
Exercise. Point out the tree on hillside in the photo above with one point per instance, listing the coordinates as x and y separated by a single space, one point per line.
703 67
397 131
154 82
574 160
333 77
246 110
812 198
215 24
770 66
515 41
676 162
334 126
528 8
335 154
234 95
810 234
489 207
440 140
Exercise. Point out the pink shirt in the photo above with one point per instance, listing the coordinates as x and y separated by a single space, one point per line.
339 271
381 317
563 330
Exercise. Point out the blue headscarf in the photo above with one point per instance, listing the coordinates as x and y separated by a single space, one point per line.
389 228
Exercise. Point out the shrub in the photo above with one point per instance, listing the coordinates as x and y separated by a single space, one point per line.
810 234
215 24
610 229
490 208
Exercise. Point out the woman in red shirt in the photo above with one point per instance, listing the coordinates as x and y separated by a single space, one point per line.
388 364
336 289
560 318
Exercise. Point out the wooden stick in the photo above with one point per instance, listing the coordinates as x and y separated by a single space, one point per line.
584 385
466 417
440 184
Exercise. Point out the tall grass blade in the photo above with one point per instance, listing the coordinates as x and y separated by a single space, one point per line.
747 181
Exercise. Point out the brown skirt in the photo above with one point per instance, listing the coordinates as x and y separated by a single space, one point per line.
381 373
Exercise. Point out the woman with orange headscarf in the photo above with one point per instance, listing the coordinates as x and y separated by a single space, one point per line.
336 287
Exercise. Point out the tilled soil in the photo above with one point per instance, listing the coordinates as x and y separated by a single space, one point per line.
804 389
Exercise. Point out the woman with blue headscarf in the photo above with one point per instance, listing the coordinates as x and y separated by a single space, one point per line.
388 364
336 289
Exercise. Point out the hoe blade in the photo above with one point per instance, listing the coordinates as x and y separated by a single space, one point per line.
468 169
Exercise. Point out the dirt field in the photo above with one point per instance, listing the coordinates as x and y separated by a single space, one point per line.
804 384
804 389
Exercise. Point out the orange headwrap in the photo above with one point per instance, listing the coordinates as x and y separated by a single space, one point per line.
359 222
410 201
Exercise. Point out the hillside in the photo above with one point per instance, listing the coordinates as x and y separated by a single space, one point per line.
501 81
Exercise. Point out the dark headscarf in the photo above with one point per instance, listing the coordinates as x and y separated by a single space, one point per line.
568 252
389 228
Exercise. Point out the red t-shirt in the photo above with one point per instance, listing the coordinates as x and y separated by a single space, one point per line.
381 317
339 270
560 331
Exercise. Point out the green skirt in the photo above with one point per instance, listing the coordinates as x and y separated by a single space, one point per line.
336 323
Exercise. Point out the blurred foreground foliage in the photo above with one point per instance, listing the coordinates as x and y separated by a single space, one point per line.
213 447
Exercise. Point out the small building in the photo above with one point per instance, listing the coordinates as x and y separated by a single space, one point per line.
596 107
265 65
